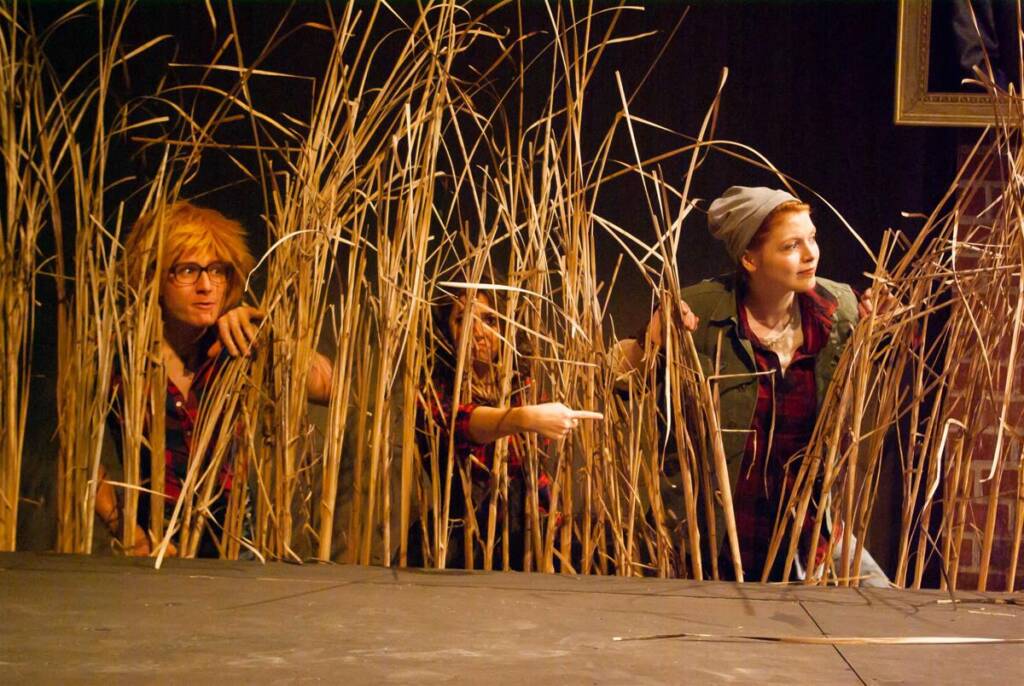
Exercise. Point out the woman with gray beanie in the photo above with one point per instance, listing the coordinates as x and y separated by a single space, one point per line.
773 332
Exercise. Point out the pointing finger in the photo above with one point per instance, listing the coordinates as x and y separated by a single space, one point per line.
586 414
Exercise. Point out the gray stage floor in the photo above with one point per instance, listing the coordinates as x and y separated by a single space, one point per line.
69 619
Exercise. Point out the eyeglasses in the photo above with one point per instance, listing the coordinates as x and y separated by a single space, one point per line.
187 273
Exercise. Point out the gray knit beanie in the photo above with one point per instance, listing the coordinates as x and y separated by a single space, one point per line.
737 215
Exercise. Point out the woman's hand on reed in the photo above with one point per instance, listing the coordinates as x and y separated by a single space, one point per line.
237 331
881 302
684 318
552 420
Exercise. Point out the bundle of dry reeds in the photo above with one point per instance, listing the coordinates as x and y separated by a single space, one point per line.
27 148
443 179
934 379
353 194
93 320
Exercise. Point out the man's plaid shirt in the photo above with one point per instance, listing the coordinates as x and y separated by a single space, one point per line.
182 413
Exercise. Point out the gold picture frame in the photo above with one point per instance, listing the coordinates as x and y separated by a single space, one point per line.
915 104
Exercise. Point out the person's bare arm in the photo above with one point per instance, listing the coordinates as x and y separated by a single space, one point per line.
628 354
551 420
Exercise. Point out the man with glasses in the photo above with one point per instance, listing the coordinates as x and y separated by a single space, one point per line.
204 264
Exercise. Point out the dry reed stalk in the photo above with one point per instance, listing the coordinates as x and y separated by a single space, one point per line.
88 312
1018 534
26 138
213 438
138 331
